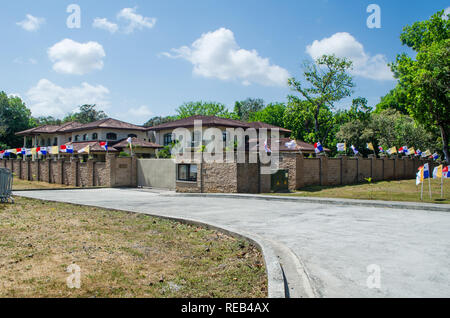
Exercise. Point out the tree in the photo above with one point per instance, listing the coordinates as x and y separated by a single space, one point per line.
426 80
203 108
87 114
158 120
14 117
395 99
243 110
272 114
49 120
329 82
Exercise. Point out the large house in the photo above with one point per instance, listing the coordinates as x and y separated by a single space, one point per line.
146 141
112 131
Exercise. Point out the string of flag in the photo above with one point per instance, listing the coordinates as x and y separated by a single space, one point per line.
64 149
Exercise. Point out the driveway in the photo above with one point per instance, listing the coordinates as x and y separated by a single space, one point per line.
335 244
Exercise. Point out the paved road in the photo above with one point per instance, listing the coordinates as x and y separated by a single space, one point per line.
335 243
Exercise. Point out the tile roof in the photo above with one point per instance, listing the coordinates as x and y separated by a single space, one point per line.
301 145
259 125
206 121
74 126
93 145
109 123
136 142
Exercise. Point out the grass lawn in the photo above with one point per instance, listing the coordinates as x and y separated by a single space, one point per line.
19 184
120 255
403 190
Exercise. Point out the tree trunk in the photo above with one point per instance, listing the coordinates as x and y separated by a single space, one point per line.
445 142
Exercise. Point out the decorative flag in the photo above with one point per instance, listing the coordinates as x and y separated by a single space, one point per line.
418 152
403 149
381 149
66 148
129 140
33 151
426 153
21 151
355 151
392 151
29 153
41 150
370 146
266 147
435 156
419 176
104 145
84 150
341 147
426 172
14 151
318 147
2 154
292 145
437 172
411 151
445 172
54 150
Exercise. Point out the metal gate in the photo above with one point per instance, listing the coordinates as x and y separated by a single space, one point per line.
280 181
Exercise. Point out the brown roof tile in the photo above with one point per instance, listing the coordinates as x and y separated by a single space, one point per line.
136 142
109 123
259 125
206 121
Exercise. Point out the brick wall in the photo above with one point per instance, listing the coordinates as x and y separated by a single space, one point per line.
115 172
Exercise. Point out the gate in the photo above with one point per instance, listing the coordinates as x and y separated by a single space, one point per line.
280 181
6 180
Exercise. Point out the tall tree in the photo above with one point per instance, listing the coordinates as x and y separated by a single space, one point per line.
14 117
203 108
427 78
159 120
87 114
328 81
272 114
243 110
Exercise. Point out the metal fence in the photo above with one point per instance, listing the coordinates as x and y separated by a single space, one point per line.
6 181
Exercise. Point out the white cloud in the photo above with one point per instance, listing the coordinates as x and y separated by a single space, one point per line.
104 24
70 57
217 55
137 115
31 23
343 44
49 99
135 21
446 11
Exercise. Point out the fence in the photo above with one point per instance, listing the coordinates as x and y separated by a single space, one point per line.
114 172
6 180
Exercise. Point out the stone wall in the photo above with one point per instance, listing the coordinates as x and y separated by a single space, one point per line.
115 172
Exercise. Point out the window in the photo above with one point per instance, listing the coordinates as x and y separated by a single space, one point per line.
132 136
55 141
85 137
49 142
70 139
167 139
77 137
111 136
187 172
94 136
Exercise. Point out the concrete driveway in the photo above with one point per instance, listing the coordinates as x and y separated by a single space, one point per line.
335 244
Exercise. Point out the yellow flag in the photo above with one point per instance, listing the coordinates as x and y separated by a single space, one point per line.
427 153
439 171
392 150
33 151
370 146
84 150
411 151
14 151
54 150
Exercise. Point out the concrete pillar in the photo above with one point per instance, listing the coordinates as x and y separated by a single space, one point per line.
323 170
90 171
111 169
344 168
300 171
73 176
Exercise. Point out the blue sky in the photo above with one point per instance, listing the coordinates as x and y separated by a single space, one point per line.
145 58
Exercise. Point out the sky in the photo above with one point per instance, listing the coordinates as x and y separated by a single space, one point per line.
143 58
